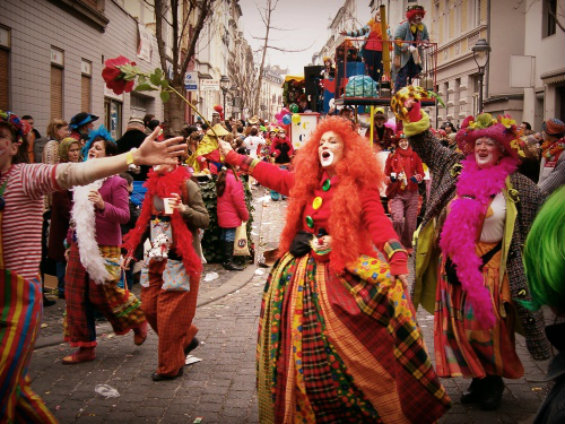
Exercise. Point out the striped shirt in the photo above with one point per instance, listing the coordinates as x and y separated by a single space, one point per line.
22 215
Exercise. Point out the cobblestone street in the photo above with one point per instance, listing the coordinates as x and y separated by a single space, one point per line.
221 388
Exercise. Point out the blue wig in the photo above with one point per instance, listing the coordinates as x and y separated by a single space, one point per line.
100 132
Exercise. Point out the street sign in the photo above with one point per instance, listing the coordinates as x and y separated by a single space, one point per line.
210 84
191 81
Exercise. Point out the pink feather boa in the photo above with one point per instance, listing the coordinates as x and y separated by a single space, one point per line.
475 189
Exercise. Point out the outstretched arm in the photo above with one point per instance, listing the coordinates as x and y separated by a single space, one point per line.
267 174
151 152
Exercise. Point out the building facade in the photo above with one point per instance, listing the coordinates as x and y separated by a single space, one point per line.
52 55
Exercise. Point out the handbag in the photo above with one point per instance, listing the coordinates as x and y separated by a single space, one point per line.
240 244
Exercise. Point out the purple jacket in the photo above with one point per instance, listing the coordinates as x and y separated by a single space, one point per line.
231 204
115 193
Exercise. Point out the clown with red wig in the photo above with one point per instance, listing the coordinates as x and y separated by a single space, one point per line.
469 269
338 340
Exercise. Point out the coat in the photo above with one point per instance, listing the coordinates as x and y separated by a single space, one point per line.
403 33
522 200
196 216
231 204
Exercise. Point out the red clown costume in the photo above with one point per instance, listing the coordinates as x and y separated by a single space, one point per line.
338 339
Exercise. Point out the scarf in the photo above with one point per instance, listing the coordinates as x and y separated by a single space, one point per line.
550 149
475 189
84 217
163 185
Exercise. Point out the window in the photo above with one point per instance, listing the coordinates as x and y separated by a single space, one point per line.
549 14
85 85
474 13
4 67
456 98
113 117
57 64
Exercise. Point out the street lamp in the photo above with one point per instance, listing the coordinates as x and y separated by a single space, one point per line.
481 52
224 85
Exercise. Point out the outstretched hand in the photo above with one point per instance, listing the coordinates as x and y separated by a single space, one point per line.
224 147
153 152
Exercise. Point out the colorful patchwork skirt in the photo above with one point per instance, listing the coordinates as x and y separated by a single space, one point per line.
463 348
83 296
342 348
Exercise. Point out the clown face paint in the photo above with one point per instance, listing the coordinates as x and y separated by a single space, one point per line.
330 150
487 152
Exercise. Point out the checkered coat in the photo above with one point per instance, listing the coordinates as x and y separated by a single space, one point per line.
445 166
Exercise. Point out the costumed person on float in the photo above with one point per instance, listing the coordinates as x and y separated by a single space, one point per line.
22 187
372 50
469 269
409 39
174 212
338 340
93 270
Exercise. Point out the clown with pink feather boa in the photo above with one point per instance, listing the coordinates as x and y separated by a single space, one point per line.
469 271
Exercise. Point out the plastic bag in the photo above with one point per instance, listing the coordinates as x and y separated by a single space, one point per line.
361 86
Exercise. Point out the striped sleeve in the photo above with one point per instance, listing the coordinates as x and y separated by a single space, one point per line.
359 32
38 179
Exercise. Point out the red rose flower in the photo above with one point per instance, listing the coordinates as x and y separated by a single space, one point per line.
114 76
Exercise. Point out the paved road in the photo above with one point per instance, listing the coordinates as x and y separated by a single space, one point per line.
221 388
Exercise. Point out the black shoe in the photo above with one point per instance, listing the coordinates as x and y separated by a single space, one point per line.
472 394
48 302
491 393
161 377
230 266
191 346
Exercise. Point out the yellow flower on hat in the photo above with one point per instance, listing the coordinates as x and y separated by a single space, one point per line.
516 144
507 121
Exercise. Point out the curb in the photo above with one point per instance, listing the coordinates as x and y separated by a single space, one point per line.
238 281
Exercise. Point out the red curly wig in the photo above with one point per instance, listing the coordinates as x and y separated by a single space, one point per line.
356 170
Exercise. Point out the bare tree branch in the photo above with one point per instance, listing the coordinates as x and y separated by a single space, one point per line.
288 50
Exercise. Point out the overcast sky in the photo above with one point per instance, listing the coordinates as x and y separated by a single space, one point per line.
306 25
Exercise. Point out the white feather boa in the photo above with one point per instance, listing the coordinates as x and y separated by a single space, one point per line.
85 221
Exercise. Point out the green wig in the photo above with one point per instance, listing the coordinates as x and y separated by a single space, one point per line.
544 255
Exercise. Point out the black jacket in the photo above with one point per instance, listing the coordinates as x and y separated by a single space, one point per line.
553 409
133 138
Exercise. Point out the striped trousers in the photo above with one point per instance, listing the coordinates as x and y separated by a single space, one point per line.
404 213
20 318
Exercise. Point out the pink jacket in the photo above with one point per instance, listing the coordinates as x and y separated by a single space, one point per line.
231 204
